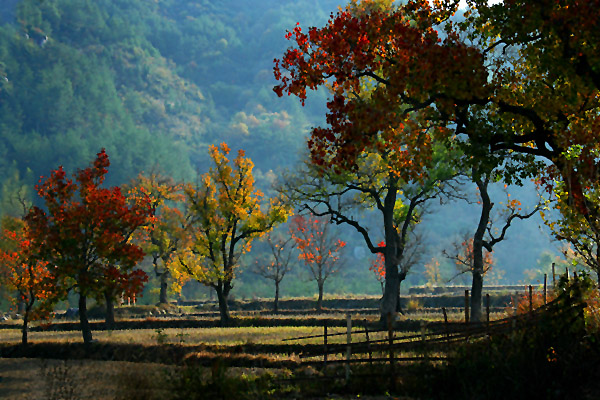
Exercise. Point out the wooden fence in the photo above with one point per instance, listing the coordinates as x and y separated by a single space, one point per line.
431 343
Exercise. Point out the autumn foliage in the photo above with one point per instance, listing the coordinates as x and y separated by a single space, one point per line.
464 259
166 231
85 234
310 236
392 58
28 276
378 265
226 213
319 251
513 79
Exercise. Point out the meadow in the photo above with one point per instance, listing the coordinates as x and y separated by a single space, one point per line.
183 353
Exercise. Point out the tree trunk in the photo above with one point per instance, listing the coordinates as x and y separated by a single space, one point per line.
478 266
25 328
389 302
223 306
392 255
86 330
164 285
401 277
109 321
276 301
320 298
476 296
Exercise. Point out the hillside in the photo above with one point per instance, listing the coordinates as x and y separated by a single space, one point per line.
155 83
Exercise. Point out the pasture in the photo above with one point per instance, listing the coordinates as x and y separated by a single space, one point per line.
185 354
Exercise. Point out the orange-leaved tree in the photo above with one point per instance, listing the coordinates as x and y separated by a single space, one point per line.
22 271
167 228
85 233
464 257
319 250
226 213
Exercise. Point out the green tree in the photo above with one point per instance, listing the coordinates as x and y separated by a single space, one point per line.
374 184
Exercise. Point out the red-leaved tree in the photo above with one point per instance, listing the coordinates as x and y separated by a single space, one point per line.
22 272
318 249
84 232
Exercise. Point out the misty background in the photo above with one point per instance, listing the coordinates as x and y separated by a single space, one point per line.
157 82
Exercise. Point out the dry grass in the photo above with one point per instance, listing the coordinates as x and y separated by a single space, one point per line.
199 336
41 379
188 336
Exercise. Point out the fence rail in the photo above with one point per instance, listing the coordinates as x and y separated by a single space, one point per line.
433 337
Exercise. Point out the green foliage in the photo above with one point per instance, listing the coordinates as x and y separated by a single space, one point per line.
191 382
143 80
161 337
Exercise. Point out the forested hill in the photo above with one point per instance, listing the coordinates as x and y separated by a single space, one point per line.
154 82
157 81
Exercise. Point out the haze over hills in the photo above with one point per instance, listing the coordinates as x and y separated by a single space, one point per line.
156 82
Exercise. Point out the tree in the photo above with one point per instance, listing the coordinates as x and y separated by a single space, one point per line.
318 249
226 213
86 234
400 198
277 264
21 271
474 254
525 72
413 249
463 256
166 229
433 273
572 227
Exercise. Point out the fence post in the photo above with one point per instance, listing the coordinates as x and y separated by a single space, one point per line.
348 341
446 325
391 344
516 307
530 300
467 306
545 289
487 310
324 343
368 342
423 341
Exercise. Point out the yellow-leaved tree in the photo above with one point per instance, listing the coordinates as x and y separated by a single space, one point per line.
226 213
166 230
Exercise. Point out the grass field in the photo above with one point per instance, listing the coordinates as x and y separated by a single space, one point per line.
159 351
